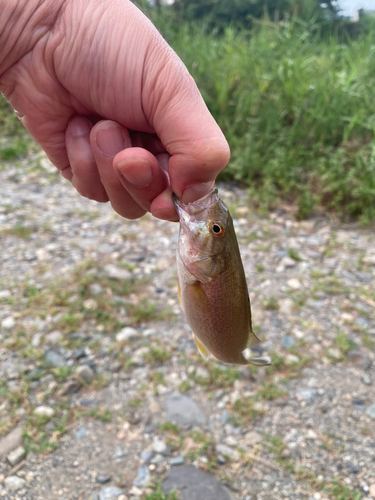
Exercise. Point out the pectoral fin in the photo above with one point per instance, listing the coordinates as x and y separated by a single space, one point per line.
203 351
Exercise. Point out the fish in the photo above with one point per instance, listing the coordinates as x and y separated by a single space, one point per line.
212 285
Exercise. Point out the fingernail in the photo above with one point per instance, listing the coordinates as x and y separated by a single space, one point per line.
136 171
110 140
166 214
79 127
196 191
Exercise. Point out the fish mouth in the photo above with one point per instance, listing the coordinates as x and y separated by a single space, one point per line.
198 206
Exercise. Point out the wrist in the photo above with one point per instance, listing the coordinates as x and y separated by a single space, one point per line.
23 23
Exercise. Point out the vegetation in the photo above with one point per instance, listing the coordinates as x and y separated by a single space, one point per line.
294 97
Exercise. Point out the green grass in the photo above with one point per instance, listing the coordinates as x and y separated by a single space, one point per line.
297 109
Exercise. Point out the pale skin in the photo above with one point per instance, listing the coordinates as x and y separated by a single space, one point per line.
110 103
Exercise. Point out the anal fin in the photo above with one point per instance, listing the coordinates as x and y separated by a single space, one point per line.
203 351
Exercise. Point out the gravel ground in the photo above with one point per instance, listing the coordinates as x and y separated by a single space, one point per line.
102 392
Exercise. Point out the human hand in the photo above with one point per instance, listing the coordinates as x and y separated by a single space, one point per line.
110 103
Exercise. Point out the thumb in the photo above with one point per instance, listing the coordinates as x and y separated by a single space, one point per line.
197 147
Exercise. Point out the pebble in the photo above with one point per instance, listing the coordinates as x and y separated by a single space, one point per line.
294 283
159 446
103 479
110 493
143 476
372 490
11 441
359 358
194 484
85 373
177 460
16 455
202 372
14 483
184 411
53 337
8 323
288 342
222 449
126 333
45 411
54 358
117 273
306 394
81 433
71 387
371 411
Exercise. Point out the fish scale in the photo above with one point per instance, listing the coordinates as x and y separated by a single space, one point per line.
212 284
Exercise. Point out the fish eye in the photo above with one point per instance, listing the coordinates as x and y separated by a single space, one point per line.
217 229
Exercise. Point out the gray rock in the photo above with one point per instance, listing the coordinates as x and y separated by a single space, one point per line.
306 394
184 411
110 493
117 273
16 455
103 479
194 484
223 449
81 433
146 455
177 460
359 358
11 441
54 358
366 379
85 373
159 446
126 333
143 476
288 342
8 323
14 483
371 411
53 337
71 387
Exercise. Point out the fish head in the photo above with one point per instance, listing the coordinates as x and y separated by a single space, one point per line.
204 235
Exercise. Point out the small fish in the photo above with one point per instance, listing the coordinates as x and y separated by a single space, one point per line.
212 285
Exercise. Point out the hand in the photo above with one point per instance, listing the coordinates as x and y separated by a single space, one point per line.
110 103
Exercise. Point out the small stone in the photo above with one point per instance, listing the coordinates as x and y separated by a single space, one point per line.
202 372
222 449
184 411
95 289
81 433
117 273
371 411
103 479
372 490
359 358
8 323
288 342
54 337
366 379
110 493
335 353
306 394
85 373
294 283
71 387
177 460
157 459
194 484
14 483
126 333
143 476
369 259
54 358
45 411
146 456
35 341
286 306
252 438
291 359
16 455
122 497
5 294
90 304
134 490
159 446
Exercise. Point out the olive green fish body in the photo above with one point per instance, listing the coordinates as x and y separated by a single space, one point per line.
212 283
